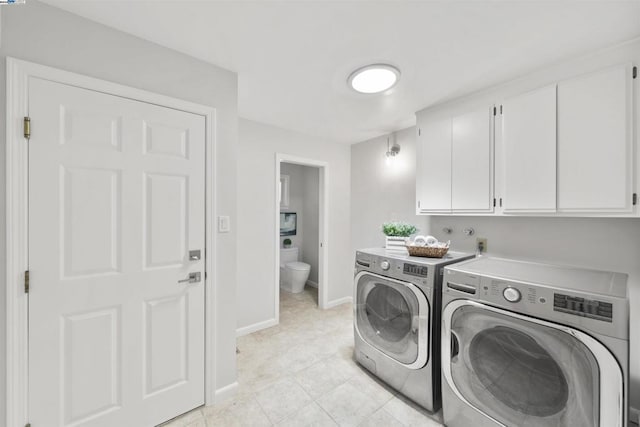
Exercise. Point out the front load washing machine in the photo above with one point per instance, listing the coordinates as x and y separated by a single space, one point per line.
528 344
397 320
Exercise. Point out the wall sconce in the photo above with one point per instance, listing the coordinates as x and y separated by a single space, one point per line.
392 149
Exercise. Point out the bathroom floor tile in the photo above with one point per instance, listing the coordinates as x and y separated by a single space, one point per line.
347 405
410 414
310 415
240 412
381 418
282 398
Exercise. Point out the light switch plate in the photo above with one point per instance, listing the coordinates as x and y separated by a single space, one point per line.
224 224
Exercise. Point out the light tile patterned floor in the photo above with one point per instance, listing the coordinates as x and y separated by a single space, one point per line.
301 373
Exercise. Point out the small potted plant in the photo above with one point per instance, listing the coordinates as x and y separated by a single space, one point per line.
397 233
286 243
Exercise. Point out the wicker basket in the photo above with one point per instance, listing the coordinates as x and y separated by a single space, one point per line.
426 251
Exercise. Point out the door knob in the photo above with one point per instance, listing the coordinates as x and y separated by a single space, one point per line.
194 255
192 278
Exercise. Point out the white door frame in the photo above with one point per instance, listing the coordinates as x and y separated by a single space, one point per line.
323 228
19 74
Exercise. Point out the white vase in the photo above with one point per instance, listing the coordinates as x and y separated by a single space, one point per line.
396 244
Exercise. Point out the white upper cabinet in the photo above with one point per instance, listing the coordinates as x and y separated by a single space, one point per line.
433 166
595 145
529 144
455 164
567 149
472 162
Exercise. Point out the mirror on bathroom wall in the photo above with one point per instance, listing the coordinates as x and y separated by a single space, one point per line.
284 192
288 223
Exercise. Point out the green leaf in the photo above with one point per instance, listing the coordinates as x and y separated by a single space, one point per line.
398 229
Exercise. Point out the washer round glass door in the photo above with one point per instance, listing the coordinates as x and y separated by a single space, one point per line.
393 317
519 371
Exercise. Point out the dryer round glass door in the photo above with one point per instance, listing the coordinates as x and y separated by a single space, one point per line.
392 316
520 372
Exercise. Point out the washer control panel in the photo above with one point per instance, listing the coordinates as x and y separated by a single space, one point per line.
578 306
511 294
415 270
385 265
591 311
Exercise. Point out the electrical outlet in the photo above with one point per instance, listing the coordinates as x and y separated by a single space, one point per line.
481 244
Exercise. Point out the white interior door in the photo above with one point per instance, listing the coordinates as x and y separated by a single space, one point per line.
116 202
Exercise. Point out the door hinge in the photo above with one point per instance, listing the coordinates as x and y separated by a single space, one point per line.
635 72
500 201
27 425
501 110
495 110
419 131
418 203
26 127
494 202
634 198
26 282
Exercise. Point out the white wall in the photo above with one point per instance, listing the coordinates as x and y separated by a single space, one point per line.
311 224
257 150
382 192
40 33
601 243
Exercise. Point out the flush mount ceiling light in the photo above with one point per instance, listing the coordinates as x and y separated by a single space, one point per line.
374 78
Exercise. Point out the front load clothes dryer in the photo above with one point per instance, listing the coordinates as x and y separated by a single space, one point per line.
526 344
397 320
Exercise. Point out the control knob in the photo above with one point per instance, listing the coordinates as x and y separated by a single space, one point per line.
385 265
511 294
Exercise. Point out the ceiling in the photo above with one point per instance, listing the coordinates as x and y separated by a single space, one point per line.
293 57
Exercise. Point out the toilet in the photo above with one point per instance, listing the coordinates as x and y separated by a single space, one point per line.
293 274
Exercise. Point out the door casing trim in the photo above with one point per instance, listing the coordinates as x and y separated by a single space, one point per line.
323 229
17 249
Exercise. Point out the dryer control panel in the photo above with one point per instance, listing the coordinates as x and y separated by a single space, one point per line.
600 314
579 306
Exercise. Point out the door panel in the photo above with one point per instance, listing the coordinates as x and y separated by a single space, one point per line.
165 220
92 380
472 168
165 357
116 202
433 173
90 234
529 126
595 146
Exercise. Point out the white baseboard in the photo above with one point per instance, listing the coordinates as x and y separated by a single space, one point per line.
226 392
339 301
634 415
246 330
312 284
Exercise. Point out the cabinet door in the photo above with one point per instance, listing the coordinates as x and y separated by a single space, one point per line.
433 168
595 151
529 127
471 160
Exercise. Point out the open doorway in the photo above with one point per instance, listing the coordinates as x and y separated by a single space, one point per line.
300 230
